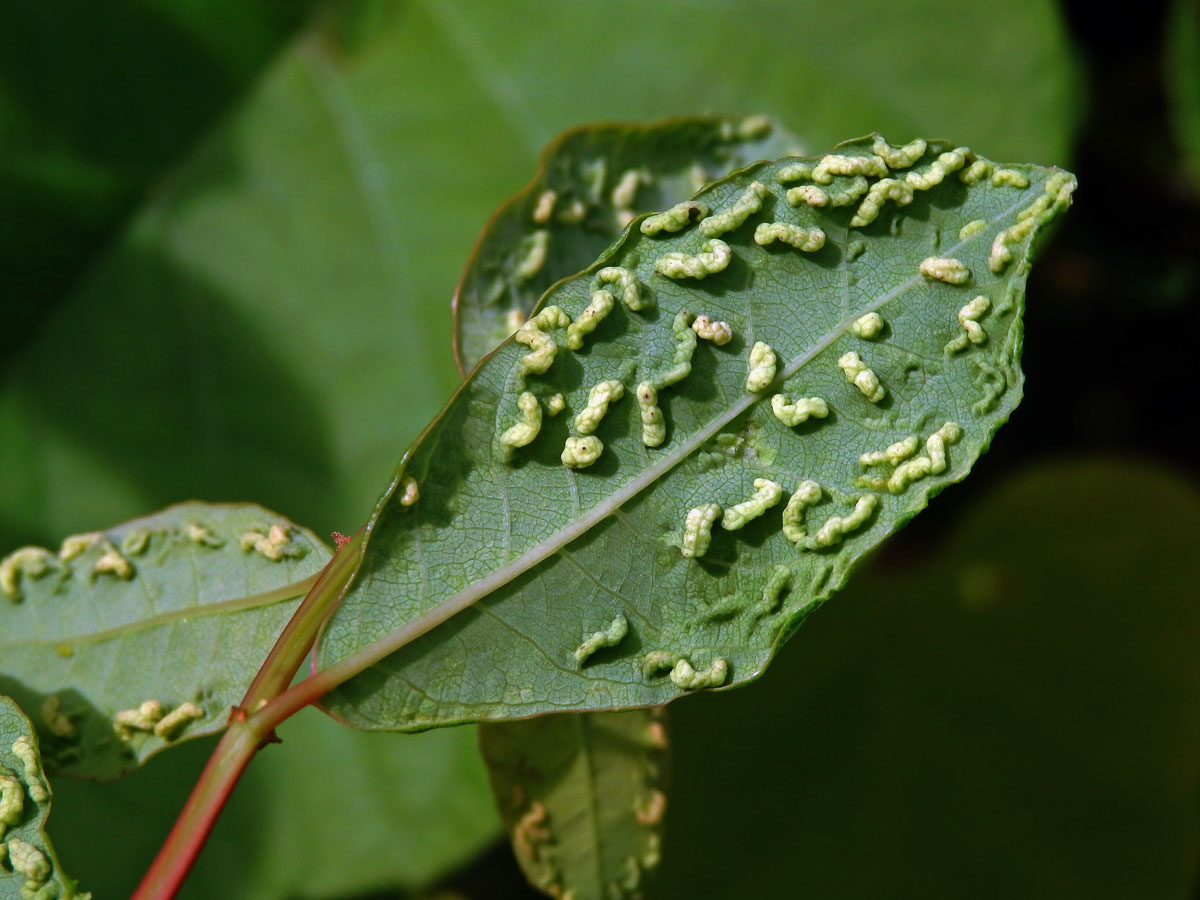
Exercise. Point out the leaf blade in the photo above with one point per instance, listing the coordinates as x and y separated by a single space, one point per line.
581 796
28 864
177 609
557 545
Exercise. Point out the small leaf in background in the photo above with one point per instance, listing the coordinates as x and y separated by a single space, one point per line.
1183 83
125 640
29 867
876 291
582 797
590 184
1005 706
329 813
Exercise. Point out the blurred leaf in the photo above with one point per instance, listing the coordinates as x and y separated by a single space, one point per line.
1005 81
553 554
1007 708
28 864
177 610
581 796
1183 82
589 185
329 813
95 101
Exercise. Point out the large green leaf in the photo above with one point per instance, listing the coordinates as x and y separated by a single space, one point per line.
360 812
581 796
1005 703
534 555
128 639
590 184
29 867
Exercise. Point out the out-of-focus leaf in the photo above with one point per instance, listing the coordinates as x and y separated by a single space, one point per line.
329 813
130 638
581 796
29 867
1009 707
1183 82
591 183
96 100
553 553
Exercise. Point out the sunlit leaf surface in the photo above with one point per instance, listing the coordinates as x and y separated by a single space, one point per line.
890 296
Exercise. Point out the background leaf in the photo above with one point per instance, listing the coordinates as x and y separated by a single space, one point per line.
590 184
28 862
1183 83
178 609
1006 703
79 153
608 536
581 796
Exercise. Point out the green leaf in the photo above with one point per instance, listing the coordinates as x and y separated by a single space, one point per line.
553 554
1183 83
29 868
581 796
1005 703
362 812
95 102
126 640
591 182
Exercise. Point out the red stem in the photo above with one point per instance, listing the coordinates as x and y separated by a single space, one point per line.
248 731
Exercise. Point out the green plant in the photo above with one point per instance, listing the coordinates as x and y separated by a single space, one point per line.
877 293
226 243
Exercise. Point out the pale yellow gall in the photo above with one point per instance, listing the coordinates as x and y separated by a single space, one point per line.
697 529
761 367
792 414
806 495
607 638
712 259
581 452
677 218
808 240
735 216
948 270
529 425
766 494
867 326
599 398
720 333
861 376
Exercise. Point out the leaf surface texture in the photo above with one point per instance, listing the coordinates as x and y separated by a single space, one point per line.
539 555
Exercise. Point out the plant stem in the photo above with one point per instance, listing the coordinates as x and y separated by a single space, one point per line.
285 658
234 752
246 732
